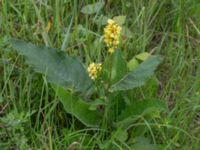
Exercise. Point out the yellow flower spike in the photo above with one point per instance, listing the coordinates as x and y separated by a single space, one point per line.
93 70
111 50
111 35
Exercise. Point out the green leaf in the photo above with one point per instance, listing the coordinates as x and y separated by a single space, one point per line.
122 135
119 66
143 143
114 67
78 108
141 108
56 66
92 8
120 20
133 63
138 76
96 103
143 56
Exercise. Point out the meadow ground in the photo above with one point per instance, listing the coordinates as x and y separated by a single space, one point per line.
30 118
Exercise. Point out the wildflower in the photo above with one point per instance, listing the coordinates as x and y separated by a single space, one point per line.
111 50
93 70
111 35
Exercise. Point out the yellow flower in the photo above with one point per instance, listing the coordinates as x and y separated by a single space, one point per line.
111 50
112 34
93 70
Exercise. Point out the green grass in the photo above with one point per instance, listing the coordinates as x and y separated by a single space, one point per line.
31 116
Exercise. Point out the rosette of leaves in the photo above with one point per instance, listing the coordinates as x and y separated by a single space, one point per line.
73 86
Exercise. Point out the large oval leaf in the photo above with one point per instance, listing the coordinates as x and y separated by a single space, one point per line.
142 107
78 108
56 66
150 107
138 76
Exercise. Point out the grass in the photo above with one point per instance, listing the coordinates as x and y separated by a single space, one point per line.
32 117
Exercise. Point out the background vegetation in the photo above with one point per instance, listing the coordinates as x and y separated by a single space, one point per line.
31 115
